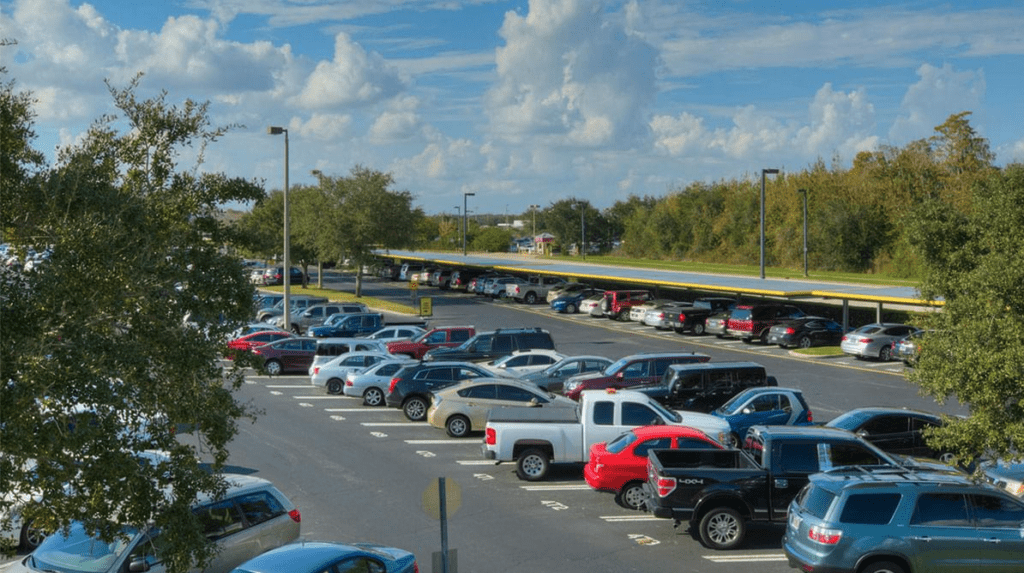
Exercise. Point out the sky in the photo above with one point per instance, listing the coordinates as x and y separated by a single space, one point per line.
530 102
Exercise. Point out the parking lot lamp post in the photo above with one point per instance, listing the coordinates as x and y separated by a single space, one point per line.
286 275
465 196
804 193
764 172
534 209
319 263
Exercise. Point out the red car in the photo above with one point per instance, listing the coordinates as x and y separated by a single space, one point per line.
620 466
252 340
287 355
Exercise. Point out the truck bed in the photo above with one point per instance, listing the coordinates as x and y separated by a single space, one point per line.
687 459
534 415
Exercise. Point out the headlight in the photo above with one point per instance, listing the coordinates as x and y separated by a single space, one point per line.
570 386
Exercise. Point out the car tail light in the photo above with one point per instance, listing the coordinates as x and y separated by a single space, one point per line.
490 436
824 535
666 485
790 330
349 383
415 567
682 317
810 417
295 515
865 340
316 370
391 386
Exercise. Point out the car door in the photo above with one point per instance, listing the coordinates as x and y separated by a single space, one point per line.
479 399
890 432
222 523
634 374
999 523
941 535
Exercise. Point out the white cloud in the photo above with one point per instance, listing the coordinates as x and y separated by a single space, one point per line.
354 77
398 123
839 121
572 77
679 135
939 93
323 126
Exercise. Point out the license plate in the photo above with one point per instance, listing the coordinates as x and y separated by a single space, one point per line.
794 521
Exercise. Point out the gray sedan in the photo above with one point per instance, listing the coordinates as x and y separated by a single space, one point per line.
553 377
874 340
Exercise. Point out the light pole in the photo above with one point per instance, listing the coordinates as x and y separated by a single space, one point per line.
457 217
764 172
464 212
583 229
534 209
319 263
286 275
804 193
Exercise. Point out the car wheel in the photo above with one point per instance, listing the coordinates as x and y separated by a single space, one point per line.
732 440
722 528
531 298
885 354
948 458
698 328
335 386
457 426
273 367
295 329
415 409
632 495
805 342
31 536
571 308
373 397
883 567
532 465
763 339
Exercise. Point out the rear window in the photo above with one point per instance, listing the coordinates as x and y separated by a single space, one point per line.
815 500
741 314
870 508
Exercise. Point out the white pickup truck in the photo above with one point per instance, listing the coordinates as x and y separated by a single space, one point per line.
535 438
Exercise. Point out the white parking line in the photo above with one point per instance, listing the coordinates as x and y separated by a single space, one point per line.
296 386
321 397
755 558
476 462
555 487
375 424
426 442
629 518
367 410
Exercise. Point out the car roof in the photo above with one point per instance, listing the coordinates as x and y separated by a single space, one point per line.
715 365
768 390
872 411
663 430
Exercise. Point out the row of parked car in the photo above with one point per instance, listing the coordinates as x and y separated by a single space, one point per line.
773 323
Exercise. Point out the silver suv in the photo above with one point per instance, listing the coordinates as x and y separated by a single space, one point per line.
862 520
252 517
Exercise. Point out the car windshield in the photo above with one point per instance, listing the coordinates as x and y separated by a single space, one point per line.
850 420
616 366
81 552
666 414
734 403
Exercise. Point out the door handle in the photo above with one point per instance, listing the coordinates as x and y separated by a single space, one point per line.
992 540
924 538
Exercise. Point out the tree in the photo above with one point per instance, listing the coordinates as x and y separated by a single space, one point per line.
361 215
975 352
492 240
114 341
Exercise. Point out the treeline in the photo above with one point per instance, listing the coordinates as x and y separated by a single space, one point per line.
858 216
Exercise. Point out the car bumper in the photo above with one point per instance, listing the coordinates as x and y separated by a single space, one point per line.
488 454
803 562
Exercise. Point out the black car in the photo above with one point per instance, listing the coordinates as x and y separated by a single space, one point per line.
412 386
806 332
275 276
894 430
495 344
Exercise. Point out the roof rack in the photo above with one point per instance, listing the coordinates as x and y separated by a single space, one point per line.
880 472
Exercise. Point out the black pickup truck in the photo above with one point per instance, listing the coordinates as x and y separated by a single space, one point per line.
719 491
691 317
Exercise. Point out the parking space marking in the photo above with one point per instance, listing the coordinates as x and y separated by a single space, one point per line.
296 386
368 410
337 418
319 397
426 453
378 434
555 505
390 423
755 558
305 404
642 539
275 393
427 442
555 487
483 477
630 518
476 463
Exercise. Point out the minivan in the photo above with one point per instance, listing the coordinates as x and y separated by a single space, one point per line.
705 387
251 518
328 349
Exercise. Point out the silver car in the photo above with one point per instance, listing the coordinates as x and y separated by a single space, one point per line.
874 340
252 517
372 383
332 375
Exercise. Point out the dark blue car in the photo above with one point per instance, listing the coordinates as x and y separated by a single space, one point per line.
570 303
316 557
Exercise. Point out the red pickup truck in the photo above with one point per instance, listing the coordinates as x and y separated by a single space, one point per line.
444 336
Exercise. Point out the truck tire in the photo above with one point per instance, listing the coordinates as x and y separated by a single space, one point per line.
632 495
698 328
531 297
457 426
335 386
533 465
415 409
373 397
722 528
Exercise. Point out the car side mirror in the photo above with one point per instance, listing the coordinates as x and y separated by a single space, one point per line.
748 410
534 402
620 375
138 565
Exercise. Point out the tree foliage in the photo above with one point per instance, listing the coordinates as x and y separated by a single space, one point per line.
114 341
975 352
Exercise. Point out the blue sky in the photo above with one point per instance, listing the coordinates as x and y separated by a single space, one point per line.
531 102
